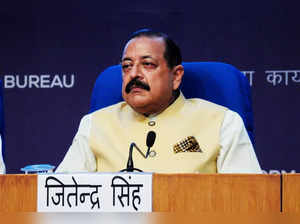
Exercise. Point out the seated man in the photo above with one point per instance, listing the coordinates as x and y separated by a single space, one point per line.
192 135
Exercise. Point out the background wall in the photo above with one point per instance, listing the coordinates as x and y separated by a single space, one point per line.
51 52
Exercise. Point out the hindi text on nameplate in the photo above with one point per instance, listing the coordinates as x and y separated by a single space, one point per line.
95 192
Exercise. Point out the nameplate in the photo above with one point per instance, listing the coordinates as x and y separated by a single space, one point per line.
95 192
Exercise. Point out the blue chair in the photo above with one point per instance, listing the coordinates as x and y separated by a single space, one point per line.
217 82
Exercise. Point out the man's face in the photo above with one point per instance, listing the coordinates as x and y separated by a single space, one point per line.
148 82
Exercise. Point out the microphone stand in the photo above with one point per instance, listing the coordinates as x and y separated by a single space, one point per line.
130 166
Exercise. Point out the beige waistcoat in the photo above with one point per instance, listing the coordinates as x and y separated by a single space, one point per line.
114 128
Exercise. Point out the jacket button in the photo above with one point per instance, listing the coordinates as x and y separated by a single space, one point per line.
151 123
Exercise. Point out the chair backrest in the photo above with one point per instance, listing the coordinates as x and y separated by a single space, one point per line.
217 82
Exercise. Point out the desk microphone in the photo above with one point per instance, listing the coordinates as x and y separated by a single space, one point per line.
149 142
130 166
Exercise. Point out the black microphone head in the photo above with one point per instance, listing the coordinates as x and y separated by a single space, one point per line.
150 139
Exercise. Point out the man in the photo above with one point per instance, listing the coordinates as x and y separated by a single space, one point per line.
192 135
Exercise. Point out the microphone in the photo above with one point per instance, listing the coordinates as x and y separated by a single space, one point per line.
150 141
130 166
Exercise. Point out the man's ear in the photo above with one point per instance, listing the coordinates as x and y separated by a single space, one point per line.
178 72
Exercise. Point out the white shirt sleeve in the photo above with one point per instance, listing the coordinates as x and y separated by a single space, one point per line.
79 157
2 165
237 154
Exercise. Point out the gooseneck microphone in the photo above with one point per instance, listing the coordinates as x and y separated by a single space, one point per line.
130 166
149 142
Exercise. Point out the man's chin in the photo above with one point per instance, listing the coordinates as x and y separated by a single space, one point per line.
138 102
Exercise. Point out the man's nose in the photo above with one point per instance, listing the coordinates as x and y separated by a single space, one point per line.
136 72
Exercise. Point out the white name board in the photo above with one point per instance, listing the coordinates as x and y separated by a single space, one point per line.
95 192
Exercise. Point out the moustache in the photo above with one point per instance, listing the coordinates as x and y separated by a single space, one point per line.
136 83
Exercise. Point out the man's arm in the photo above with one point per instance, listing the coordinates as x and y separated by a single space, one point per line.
237 154
79 157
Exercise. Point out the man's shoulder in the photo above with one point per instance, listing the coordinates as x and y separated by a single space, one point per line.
110 109
204 104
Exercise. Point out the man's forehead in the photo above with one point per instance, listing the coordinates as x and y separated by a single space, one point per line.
142 57
145 47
